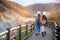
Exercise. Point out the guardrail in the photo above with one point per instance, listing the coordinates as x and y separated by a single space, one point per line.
55 29
11 34
55 24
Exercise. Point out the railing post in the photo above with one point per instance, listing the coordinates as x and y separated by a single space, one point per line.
26 29
34 27
19 35
31 27
8 34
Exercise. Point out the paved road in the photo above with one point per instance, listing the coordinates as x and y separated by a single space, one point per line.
49 35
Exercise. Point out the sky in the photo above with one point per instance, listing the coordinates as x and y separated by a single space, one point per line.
30 2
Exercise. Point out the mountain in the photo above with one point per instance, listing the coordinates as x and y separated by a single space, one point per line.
17 8
44 7
23 11
55 16
12 14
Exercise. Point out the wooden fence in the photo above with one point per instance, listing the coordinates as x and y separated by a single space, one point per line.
11 34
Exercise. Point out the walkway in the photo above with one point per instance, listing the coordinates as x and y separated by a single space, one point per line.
49 35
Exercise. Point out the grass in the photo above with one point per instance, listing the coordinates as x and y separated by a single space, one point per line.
23 35
58 21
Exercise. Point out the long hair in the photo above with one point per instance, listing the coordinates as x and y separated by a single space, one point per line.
44 17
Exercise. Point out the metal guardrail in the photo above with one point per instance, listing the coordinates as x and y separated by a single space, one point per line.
54 23
7 33
55 30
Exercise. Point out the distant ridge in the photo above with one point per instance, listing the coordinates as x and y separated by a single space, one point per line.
44 7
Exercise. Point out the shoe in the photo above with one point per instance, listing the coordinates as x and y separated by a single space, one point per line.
42 34
36 34
45 33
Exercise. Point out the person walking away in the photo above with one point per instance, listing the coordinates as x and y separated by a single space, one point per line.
37 25
44 22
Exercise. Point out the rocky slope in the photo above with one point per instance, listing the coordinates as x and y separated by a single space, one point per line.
12 14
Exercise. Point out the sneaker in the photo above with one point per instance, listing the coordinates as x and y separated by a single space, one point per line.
45 33
36 34
42 34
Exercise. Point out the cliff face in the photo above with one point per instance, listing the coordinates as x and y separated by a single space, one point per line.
12 14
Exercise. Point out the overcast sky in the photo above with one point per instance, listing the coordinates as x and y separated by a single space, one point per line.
29 2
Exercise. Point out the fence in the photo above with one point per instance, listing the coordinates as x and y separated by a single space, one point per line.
11 34
55 28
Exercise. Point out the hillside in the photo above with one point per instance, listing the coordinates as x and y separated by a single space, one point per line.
55 15
17 8
44 7
12 14
52 8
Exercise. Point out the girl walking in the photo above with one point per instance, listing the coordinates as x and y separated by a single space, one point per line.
44 22
37 25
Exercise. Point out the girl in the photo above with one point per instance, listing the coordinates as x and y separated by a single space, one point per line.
37 25
44 22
